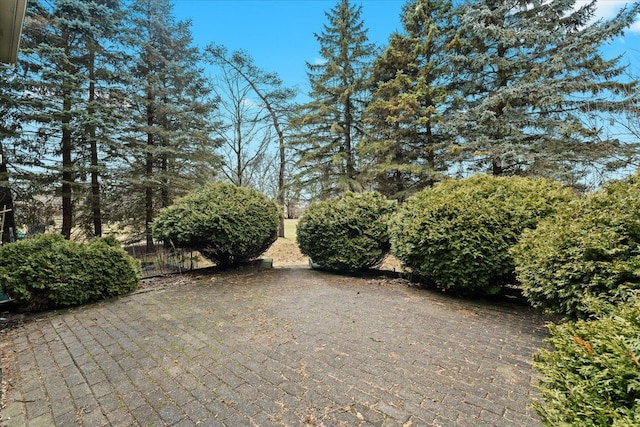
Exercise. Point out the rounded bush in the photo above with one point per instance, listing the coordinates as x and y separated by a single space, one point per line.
591 372
47 271
457 234
588 252
227 224
347 233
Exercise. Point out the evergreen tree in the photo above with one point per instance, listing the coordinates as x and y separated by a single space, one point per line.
330 126
405 148
532 74
101 118
169 139
53 94
626 125
9 127
69 77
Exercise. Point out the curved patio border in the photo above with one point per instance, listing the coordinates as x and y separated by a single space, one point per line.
278 347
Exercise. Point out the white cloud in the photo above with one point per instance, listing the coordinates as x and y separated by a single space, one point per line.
607 9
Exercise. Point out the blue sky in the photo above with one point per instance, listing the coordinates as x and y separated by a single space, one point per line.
279 34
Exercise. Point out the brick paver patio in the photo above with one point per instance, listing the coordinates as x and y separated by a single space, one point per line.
277 347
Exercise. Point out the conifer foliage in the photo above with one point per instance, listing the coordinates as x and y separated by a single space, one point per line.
63 46
9 127
406 148
169 137
590 371
330 126
110 114
531 75
229 225
346 233
107 114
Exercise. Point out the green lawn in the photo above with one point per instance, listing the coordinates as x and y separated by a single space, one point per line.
290 226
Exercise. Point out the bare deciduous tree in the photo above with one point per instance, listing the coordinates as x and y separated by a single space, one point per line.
274 98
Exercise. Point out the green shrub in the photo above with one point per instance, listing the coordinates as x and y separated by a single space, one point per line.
591 376
109 241
229 225
348 233
457 234
47 271
589 251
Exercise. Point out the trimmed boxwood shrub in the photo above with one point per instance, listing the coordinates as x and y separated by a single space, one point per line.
457 234
591 373
47 271
347 233
228 225
588 252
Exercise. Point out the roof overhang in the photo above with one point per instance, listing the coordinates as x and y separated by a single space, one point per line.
11 20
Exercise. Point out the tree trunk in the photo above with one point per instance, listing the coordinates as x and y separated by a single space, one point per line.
281 172
148 201
238 148
164 190
350 166
96 212
148 174
281 149
164 160
66 149
496 167
281 142
67 167
431 156
6 202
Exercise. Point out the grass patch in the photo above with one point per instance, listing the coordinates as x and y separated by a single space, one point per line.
290 228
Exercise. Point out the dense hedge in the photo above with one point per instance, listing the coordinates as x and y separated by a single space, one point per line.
347 233
587 254
47 271
458 233
591 376
229 225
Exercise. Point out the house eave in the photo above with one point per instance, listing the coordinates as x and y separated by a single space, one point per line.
11 20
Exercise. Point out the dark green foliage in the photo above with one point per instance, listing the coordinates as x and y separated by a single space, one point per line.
109 241
591 377
171 110
458 233
589 251
348 233
229 225
47 272
327 128
405 148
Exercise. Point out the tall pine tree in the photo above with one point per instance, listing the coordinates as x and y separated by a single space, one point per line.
406 148
69 70
101 117
169 138
55 80
10 116
531 75
330 126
